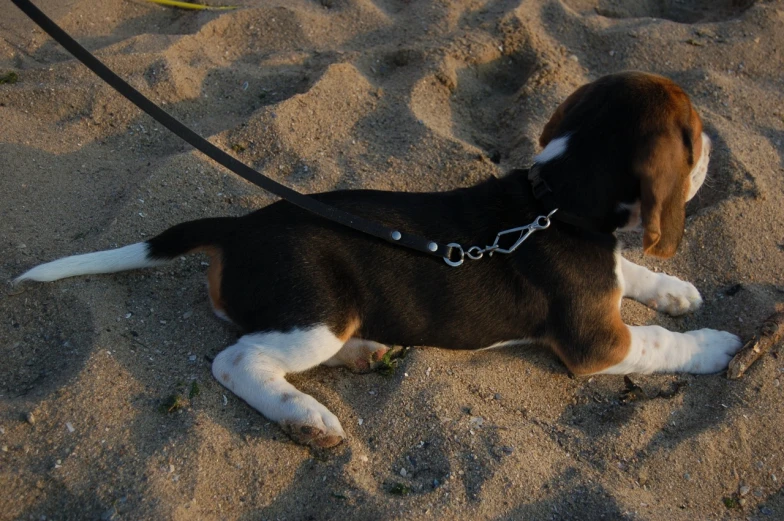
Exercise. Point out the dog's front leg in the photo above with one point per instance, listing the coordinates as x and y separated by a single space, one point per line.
597 341
657 290
255 367
653 349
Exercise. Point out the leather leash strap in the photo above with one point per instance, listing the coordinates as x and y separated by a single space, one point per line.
331 213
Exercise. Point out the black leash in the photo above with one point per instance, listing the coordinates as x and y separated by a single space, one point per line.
331 213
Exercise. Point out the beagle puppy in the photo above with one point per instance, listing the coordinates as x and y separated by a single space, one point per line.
621 152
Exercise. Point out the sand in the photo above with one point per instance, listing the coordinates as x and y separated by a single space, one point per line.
386 94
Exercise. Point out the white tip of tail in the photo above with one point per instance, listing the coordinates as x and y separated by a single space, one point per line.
129 257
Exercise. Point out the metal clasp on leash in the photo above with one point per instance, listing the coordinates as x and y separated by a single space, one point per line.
475 252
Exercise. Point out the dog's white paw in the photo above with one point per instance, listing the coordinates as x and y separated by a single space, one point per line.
310 423
713 351
674 296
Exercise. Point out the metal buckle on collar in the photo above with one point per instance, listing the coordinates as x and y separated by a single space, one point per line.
540 188
475 252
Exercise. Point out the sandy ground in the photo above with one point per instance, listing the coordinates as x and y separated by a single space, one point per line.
388 94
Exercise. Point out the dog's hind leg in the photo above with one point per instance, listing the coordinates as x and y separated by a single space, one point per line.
358 355
255 367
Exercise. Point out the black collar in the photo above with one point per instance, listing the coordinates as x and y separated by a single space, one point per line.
544 194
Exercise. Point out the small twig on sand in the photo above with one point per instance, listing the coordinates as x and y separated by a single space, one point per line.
769 334
193 5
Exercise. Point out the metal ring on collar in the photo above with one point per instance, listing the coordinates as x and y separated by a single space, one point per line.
459 249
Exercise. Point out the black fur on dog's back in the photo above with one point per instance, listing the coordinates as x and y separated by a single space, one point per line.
284 268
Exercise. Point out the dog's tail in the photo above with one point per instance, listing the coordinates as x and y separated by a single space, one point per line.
177 240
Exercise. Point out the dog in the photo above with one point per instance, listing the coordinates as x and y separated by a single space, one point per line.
626 151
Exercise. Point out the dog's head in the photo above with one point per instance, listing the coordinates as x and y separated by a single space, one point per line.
631 146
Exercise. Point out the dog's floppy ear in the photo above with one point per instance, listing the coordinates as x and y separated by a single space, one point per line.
660 169
555 120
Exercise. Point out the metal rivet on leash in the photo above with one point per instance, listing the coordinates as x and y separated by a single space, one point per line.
432 246
475 252
396 236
